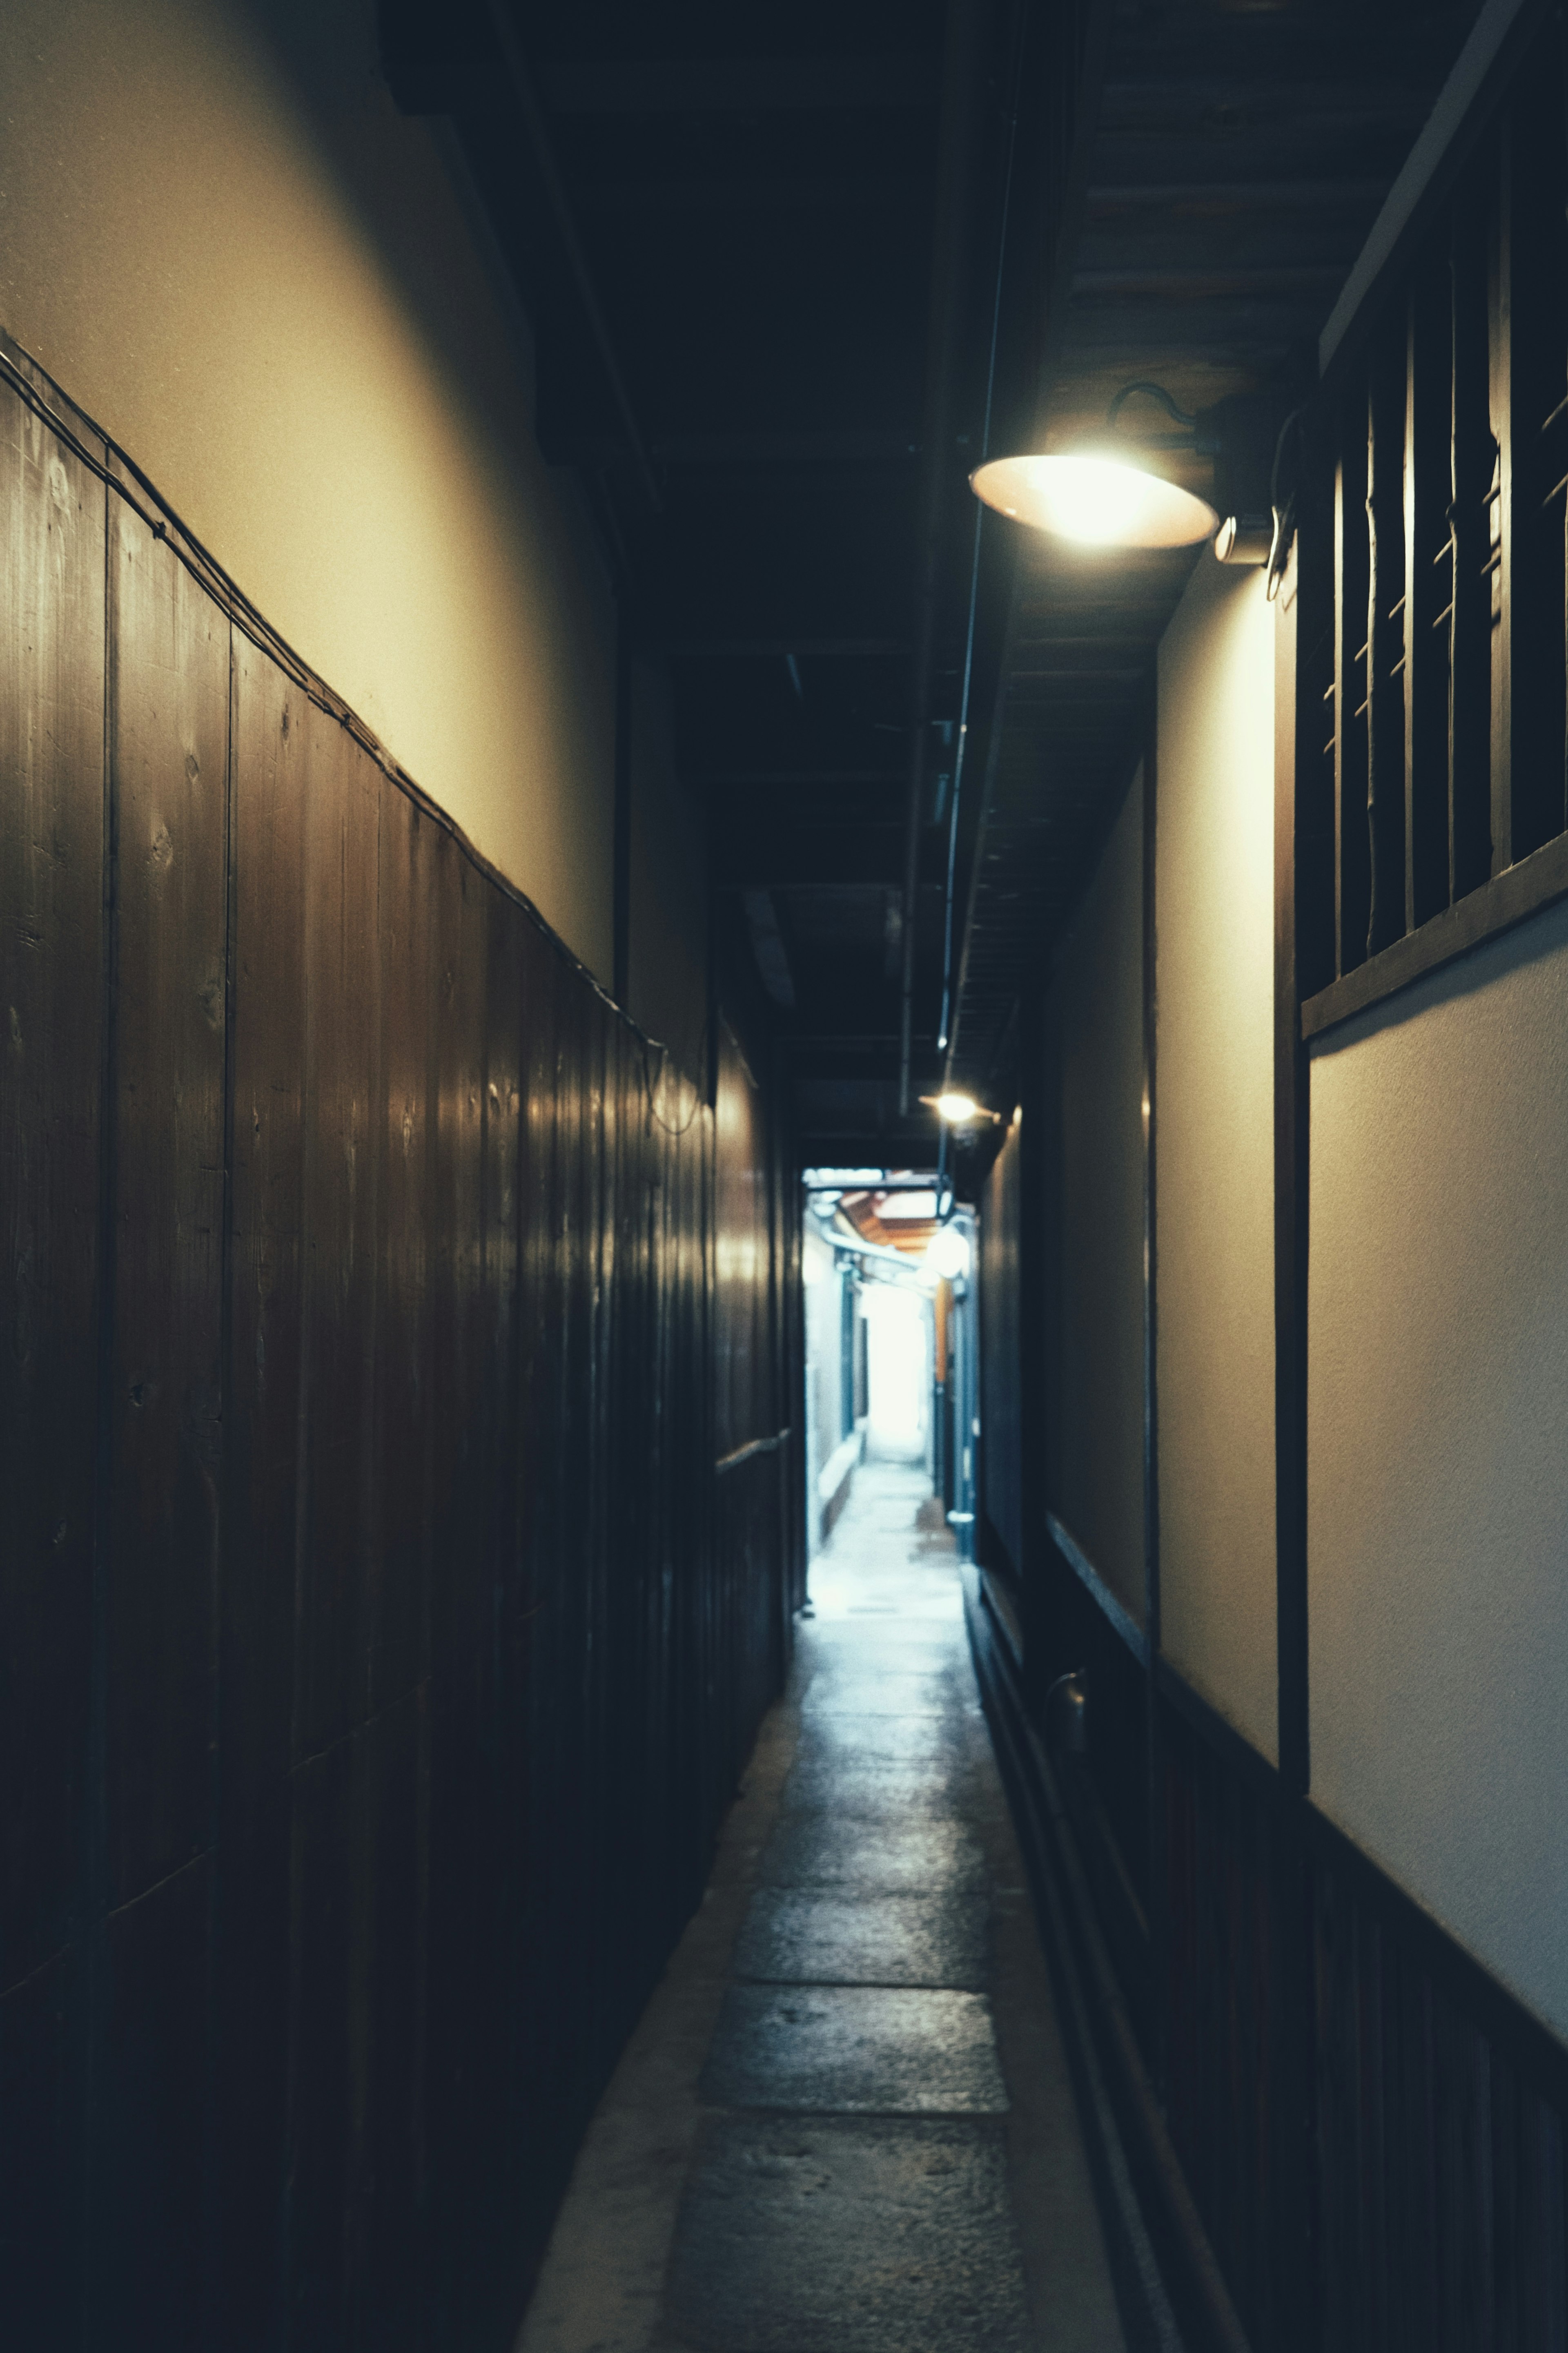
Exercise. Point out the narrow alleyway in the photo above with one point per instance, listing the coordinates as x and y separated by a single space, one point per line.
844 2125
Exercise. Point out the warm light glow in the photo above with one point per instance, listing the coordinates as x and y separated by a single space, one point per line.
1101 501
893 1206
947 1252
957 1110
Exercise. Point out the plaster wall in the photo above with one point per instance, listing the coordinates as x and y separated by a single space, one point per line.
1096 1391
1438 1447
220 237
1214 899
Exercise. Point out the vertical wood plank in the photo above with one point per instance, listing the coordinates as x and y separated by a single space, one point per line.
1501 519
1471 462
508 1605
263 1403
169 656
149 2211
51 1005
1428 374
460 1567
388 2251
338 1506
1384 686
407 1400
43 2044
248 2179
322 2181
542 1385
332 1876
261 1439
1353 864
467 2028
392 1824
1538 429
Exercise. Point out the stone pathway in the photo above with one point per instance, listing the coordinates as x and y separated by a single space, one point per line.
845 2124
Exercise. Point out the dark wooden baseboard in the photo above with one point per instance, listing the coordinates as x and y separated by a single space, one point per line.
1353 2116
1168 2282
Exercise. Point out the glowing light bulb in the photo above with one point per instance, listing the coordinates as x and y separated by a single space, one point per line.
947 1252
1100 502
957 1110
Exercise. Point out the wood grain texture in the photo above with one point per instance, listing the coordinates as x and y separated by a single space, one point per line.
262 1421
52 1008
151 2133
339 1505
388 1668
1440 2158
169 710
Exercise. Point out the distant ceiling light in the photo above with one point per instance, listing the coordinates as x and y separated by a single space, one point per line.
1099 501
957 1110
947 1252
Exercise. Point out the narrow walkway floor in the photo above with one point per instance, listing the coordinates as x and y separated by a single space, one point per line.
845 2122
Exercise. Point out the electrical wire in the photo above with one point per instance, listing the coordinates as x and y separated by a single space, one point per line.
963 744
654 1081
1284 511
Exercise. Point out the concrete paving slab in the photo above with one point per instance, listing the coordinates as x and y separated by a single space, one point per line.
834 2237
807 1936
821 2139
849 2050
890 1739
874 1790
870 1694
914 1853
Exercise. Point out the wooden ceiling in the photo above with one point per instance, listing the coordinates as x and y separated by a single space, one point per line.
766 256
1229 164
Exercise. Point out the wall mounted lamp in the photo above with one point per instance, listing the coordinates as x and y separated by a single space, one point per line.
1103 496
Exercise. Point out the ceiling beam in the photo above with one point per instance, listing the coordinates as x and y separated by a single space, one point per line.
1248 198
864 192
808 858
1193 104
776 779
1312 281
898 79
892 448
781 648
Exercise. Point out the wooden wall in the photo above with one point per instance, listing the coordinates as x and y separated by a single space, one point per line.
378 1648
998 1280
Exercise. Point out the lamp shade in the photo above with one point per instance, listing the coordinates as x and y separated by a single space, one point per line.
1099 501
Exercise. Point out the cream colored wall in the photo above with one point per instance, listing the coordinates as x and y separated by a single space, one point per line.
1438 1447
1213 901
222 240
1097 1395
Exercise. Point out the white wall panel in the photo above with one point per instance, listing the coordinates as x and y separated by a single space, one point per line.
1438 1447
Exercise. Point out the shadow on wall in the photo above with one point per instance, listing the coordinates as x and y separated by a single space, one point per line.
221 236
